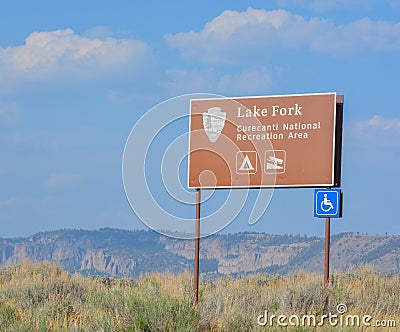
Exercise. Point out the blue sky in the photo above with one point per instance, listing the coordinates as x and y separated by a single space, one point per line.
76 76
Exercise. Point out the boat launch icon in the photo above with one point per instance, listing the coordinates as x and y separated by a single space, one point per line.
275 161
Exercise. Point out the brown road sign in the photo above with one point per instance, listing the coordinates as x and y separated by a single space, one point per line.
268 141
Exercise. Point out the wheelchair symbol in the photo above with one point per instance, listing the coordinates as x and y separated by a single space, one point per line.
326 204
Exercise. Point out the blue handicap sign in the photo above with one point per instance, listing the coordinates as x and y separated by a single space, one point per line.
327 203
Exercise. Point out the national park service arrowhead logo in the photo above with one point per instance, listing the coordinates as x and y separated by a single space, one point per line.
213 123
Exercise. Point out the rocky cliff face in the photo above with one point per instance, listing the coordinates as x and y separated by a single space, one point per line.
105 263
71 251
119 253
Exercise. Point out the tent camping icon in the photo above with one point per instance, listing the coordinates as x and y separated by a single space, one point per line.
246 162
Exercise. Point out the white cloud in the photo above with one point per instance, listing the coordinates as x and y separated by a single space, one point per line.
376 131
62 52
120 98
378 122
63 180
395 4
256 34
252 81
98 32
11 201
325 5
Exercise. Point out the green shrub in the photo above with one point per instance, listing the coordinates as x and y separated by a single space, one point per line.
43 297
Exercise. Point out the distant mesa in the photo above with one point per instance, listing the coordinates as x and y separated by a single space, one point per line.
123 253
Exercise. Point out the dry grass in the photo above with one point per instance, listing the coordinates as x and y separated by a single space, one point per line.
43 297
234 304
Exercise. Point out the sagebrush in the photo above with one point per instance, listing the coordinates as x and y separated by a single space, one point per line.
43 297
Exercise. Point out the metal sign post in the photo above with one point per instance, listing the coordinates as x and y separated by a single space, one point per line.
327 204
327 247
197 251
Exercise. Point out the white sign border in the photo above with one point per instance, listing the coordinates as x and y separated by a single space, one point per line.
317 185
